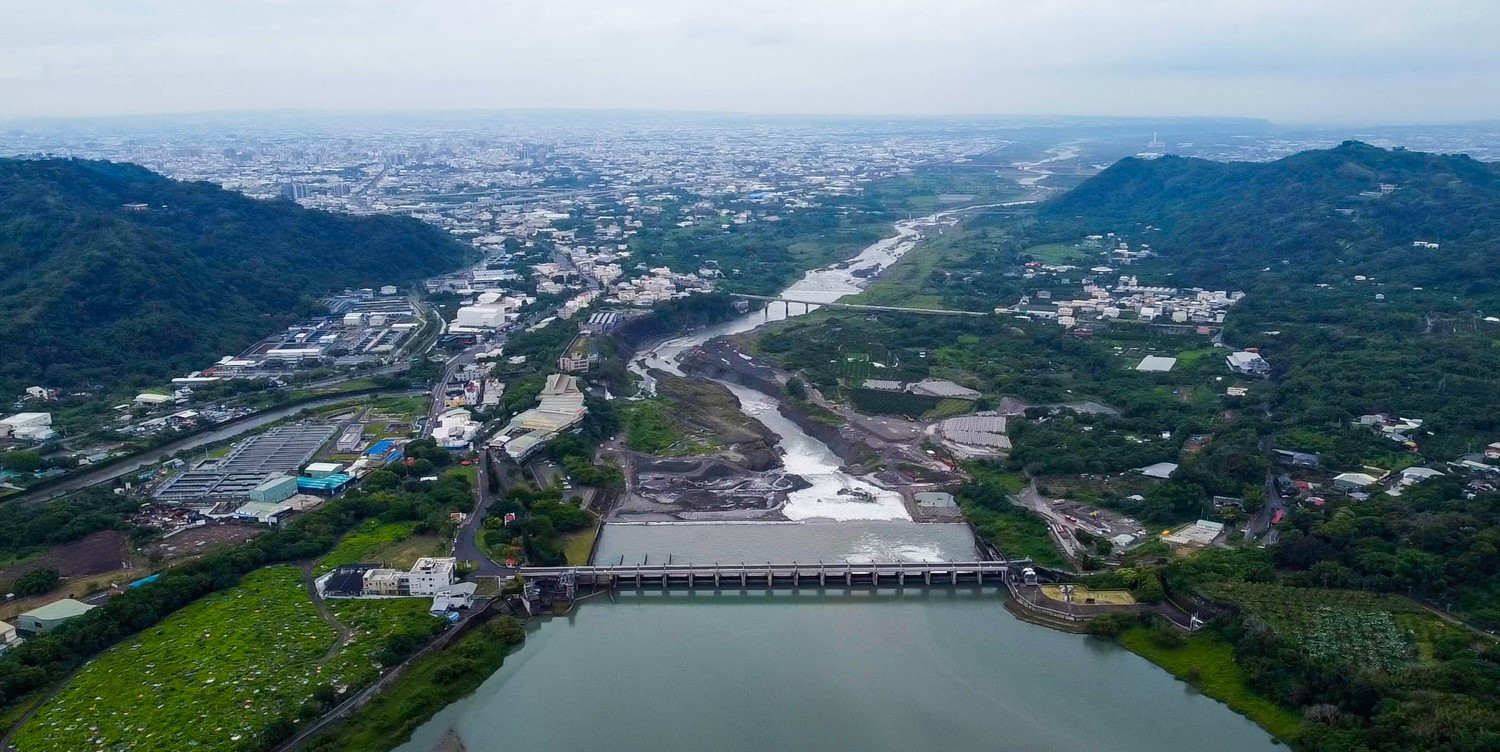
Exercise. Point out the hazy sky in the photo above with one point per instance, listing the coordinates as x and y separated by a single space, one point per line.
1288 60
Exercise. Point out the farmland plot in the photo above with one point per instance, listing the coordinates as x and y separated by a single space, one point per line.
1354 626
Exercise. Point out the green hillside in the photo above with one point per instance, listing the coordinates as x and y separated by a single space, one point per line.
1322 212
1352 316
91 293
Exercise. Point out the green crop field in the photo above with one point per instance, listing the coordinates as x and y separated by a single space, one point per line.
879 402
856 366
1060 253
213 675
1351 625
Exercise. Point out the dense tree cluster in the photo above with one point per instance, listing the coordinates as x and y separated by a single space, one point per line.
93 293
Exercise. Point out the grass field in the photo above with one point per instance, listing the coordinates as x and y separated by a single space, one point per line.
1209 665
1081 594
577 545
1016 532
403 553
364 541
213 675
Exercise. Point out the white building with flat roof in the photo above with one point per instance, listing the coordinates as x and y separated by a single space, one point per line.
430 575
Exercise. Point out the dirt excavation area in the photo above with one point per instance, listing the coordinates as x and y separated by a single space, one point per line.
724 466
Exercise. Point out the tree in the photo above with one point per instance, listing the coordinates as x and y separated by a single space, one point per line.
36 582
21 461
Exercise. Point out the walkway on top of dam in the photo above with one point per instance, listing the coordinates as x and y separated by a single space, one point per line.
793 574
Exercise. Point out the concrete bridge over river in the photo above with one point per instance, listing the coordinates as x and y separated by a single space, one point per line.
808 304
769 575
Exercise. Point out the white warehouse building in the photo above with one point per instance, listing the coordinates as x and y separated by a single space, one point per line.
482 316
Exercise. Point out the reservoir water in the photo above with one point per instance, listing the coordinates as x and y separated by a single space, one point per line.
904 670
736 671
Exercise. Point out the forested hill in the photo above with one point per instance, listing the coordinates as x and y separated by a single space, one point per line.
1322 212
93 293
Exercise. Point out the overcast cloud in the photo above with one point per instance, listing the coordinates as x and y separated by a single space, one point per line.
1288 60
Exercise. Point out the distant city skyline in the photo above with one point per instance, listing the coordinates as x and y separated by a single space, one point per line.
1343 61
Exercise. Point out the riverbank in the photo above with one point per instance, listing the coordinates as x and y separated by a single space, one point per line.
1207 664
427 685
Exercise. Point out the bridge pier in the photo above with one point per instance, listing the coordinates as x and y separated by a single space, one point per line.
955 576
875 577
927 576
770 576
822 576
848 578
979 575
690 579
716 577
638 580
744 578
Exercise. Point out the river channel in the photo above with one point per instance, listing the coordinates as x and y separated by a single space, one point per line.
821 502
891 669
838 670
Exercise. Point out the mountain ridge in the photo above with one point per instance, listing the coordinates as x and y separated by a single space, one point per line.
94 293
1317 210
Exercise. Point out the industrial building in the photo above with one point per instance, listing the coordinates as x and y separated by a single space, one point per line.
265 512
1248 364
8 637
559 407
483 316
352 437
323 469
275 488
28 427
279 451
47 618
328 484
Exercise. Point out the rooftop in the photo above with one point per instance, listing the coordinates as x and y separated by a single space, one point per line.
1156 364
66 608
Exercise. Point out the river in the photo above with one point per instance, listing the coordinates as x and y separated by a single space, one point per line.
893 669
735 671
826 499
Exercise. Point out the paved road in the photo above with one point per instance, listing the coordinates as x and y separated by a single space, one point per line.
465 548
